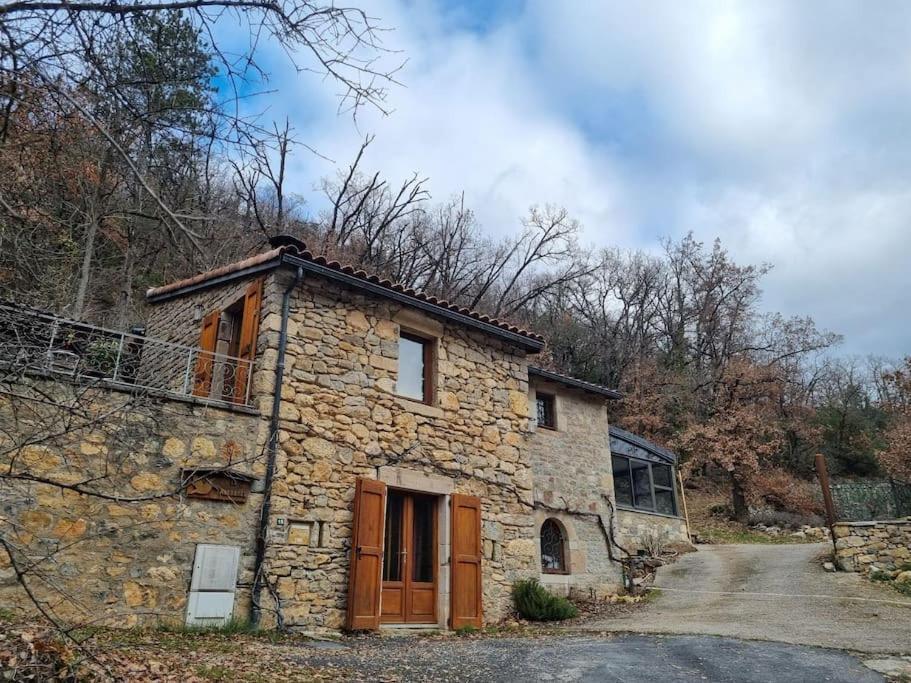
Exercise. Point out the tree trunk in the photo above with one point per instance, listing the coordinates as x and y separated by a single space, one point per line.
95 215
85 270
126 292
739 501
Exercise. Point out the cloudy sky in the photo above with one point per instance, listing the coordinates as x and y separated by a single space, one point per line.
781 127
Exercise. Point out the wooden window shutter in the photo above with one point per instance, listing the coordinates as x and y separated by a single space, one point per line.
365 574
466 562
205 360
249 331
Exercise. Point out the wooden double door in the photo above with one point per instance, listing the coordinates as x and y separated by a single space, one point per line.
410 575
394 575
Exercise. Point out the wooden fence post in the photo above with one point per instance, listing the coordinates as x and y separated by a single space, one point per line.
686 516
823 473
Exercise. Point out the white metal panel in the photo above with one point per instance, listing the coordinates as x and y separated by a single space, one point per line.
215 568
210 608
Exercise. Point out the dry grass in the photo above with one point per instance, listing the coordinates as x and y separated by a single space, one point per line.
714 527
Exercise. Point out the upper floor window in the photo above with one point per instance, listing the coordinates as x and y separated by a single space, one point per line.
227 348
546 411
415 378
553 548
644 485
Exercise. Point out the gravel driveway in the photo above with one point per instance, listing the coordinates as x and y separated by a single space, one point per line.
772 592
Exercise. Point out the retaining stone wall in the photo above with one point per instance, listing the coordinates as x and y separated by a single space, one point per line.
116 561
860 546
634 528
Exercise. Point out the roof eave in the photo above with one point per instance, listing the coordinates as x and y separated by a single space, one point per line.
177 292
641 442
575 383
289 259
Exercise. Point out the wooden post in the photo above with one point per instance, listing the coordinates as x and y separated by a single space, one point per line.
823 473
686 516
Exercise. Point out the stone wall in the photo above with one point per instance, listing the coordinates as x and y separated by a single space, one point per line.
125 555
572 472
636 529
341 420
860 546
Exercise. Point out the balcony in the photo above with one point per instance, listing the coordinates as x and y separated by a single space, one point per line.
33 342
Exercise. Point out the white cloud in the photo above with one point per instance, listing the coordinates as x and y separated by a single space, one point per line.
777 126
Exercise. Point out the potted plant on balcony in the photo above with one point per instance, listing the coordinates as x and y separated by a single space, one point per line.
100 358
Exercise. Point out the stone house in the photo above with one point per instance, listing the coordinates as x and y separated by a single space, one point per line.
570 458
401 460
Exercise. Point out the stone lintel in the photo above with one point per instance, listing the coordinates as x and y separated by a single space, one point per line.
399 477
415 321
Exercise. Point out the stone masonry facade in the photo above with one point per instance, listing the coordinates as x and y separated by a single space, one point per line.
341 419
860 546
638 529
572 476
126 557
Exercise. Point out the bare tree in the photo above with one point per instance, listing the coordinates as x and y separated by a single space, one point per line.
260 182
156 120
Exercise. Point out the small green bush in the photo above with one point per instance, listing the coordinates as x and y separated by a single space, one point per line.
535 603
879 575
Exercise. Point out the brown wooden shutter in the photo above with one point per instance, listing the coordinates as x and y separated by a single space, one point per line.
205 359
466 562
249 330
365 575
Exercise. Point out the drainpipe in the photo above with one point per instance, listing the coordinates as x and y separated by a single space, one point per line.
271 449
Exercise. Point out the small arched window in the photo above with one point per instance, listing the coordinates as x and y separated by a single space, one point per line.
553 548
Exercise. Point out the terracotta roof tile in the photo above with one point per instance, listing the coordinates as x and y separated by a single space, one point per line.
256 260
305 254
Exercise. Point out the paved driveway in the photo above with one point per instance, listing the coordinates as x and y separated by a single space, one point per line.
772 592
626 658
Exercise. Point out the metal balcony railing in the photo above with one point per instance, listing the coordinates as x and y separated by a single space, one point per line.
33 341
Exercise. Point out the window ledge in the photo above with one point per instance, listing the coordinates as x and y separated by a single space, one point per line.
638 511
418 407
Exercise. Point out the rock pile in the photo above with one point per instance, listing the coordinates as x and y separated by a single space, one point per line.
805 532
